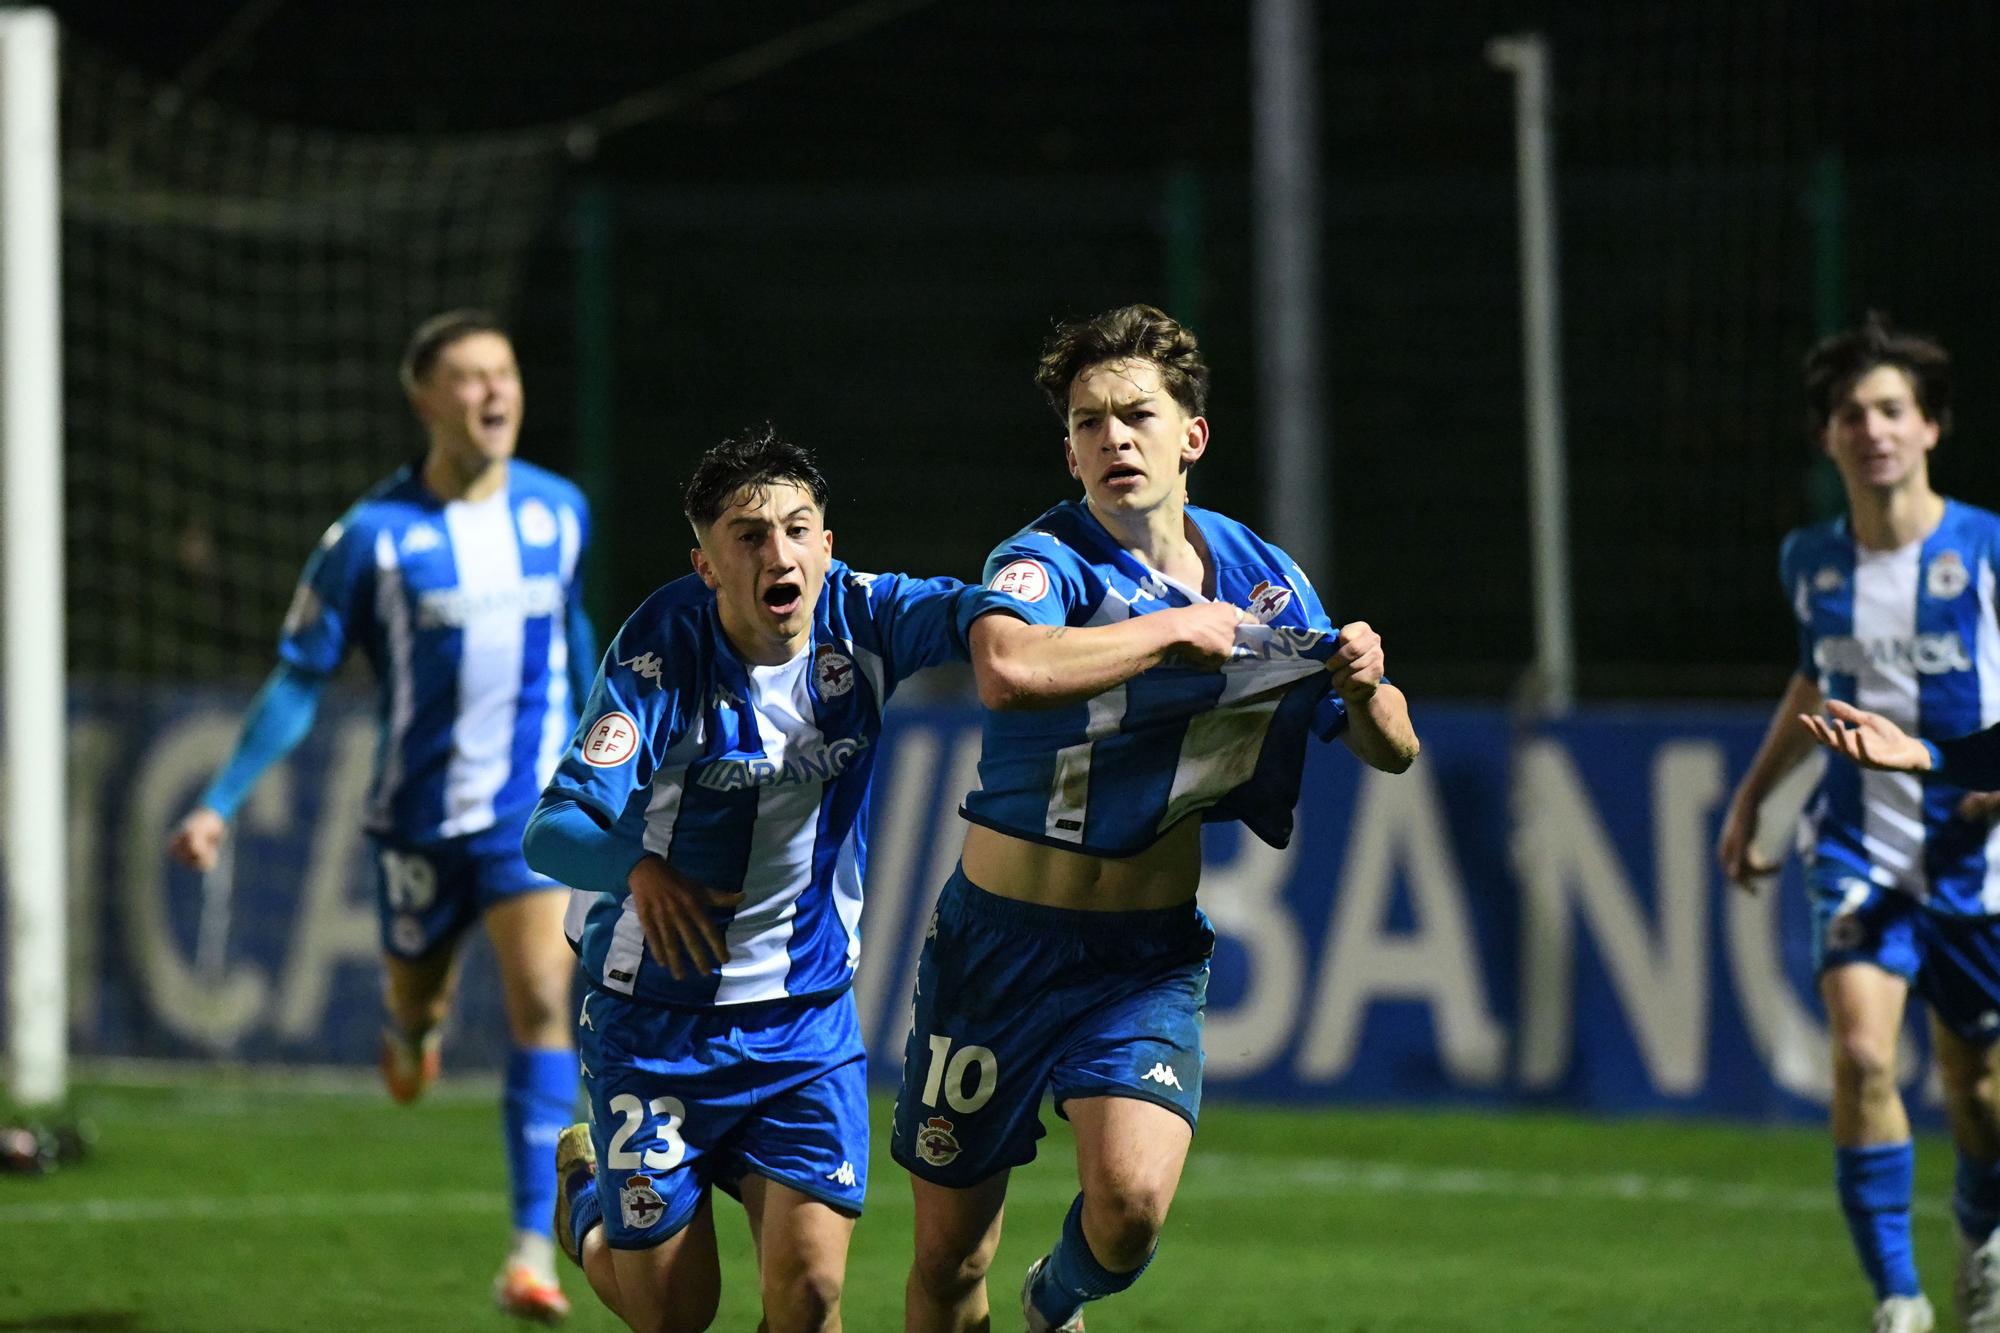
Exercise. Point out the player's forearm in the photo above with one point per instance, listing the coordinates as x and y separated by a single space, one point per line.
1379 731
1786 744
565 841
279 718
1019 665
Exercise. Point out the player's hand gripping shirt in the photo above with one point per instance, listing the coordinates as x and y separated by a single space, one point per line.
1108 776
746 778
466 611
1909 634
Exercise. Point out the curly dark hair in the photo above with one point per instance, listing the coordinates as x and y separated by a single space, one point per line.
1837 363
1131 332
750 460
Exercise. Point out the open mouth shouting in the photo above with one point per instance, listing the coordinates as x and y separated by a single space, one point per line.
1123 477
782 599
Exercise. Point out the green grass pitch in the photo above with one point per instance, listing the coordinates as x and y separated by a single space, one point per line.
255 1203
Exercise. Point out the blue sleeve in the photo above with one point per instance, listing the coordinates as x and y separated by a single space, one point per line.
631 715
331 601
582 637
1971 761
566 841
1032 577
279 718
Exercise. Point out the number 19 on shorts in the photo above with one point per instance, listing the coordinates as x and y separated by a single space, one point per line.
948 1075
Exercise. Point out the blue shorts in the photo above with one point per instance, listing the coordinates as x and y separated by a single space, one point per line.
426 894
682 1099
1953 962
1015 998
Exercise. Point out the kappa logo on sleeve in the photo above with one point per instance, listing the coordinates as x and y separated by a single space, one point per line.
647 666
1022 579
612 740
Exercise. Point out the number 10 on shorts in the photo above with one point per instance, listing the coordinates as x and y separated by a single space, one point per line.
948 1075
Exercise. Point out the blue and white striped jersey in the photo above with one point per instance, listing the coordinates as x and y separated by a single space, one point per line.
466 612
1110 775
1909 634
748 778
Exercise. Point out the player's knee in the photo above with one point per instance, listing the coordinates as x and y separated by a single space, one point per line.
1864 1064
803 1302
945 1270
1126 1223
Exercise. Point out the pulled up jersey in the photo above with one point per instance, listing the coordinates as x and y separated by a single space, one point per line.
1108 776
463 608
1909 634
748 778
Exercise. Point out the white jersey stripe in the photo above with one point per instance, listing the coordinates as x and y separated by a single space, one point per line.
392 606
1885 608
782 841
486 549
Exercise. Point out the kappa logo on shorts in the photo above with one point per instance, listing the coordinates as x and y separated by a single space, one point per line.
843 1176
639 1203
936 1143
1164 1076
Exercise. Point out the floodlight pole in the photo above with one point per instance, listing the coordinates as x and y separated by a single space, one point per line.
31 559
1284 67
1551 687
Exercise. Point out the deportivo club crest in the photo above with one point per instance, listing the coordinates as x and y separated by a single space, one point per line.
639 1203
538 525
1268 599
1827 580
833 672
935 1143
1946 577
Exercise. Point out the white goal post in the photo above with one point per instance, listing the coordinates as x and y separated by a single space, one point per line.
31 560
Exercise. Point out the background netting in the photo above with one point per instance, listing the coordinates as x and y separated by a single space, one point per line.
236 297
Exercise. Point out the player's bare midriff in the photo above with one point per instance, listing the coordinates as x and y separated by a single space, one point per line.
1163 875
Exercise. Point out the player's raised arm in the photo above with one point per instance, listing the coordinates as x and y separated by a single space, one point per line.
1378 730
1024 665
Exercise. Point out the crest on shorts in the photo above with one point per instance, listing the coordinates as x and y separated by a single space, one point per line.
1828 579
1947 577
833 672
639 1203
1268 599
936 1143
1844 931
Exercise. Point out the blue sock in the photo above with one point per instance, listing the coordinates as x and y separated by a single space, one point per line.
535 1107
1975 1198
1073 1275
586 1210
1875 1185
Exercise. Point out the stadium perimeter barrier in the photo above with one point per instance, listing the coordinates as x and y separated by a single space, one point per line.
1531 916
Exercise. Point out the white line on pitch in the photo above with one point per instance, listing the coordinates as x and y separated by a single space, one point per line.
1209 1176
